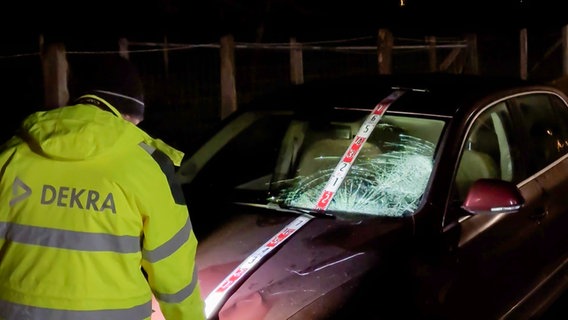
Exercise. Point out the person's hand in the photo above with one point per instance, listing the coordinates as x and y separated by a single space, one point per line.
156 312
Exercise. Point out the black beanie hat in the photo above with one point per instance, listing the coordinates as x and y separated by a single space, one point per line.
114 79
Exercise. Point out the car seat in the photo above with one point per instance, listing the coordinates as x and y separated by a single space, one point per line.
326 154
479 159
474 165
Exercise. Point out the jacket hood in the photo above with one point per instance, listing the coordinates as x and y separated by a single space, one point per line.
77 132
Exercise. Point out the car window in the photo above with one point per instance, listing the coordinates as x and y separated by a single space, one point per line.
487 150
286 159
545 127
244 152
388 178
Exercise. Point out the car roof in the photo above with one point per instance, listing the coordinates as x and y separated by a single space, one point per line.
431 93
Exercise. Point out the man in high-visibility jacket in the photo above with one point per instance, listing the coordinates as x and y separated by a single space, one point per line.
92 222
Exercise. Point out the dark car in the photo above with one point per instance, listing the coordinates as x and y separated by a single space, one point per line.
430 196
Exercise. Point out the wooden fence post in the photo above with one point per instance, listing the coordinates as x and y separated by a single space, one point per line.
296 62
228 86
431 41
166 57
471 40
123 48
384 51
523 42
55 69
565 50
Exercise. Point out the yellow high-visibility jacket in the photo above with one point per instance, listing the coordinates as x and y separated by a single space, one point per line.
88 200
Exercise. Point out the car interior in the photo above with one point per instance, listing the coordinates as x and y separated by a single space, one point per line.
486 154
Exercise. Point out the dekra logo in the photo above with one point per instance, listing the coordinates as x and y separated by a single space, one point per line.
64 196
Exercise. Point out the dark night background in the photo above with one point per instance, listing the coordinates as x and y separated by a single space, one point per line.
183 102
274 20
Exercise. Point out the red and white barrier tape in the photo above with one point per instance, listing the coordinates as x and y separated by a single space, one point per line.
216 297
351 153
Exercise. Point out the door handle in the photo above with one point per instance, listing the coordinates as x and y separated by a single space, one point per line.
538 214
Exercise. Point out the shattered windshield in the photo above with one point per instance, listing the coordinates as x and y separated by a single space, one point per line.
388 177
284 159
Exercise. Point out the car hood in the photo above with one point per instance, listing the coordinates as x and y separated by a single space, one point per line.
321 256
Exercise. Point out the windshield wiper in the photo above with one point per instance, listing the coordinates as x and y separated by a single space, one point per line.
314 213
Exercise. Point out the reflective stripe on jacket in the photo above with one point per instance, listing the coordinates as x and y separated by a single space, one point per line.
86 200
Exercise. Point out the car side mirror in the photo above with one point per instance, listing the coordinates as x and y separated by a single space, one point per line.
493 196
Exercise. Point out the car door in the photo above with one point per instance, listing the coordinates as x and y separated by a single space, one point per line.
495 256
544 120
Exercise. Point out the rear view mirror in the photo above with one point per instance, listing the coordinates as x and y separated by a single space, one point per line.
493 196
